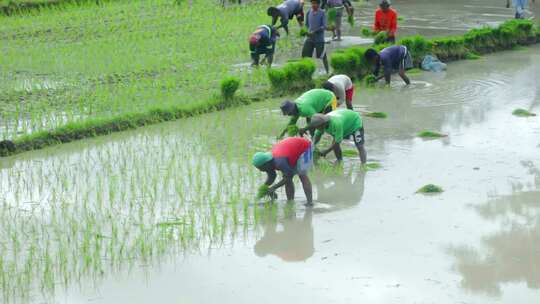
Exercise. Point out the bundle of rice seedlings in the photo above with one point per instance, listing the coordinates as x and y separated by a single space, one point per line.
292 130
430 188
522 113
370 80
303 32
376 115
431 134
371 166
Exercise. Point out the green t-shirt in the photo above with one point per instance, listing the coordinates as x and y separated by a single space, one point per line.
343 122
313 102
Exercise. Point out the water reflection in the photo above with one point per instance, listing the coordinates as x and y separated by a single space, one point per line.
511 255
290 239
340 191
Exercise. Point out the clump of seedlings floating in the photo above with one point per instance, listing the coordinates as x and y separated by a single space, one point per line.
376 115
371 166
430 134
522 113
430 189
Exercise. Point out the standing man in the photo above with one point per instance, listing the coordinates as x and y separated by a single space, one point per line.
263 41
393 58
292 156
386 20
316 24
286 11
308 104
342 87
340 124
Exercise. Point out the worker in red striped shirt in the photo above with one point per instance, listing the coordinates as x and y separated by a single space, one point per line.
292 156
386 20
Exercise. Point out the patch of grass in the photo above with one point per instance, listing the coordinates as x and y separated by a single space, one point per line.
376 115
430 189
430 134
522 113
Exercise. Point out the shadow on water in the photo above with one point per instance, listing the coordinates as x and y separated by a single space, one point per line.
510 255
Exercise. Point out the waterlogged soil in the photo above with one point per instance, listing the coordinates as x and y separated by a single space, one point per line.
180 197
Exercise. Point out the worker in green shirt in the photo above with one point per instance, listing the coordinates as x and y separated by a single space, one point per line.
308 104
340 124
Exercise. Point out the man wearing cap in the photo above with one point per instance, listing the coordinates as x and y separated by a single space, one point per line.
292 156
286 11
393 58
311 102
386 20
316 25
340 124
263 41
342 86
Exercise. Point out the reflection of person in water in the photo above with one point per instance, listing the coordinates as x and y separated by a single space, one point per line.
341 190
293 243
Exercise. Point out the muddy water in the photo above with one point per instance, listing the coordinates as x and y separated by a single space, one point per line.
369 237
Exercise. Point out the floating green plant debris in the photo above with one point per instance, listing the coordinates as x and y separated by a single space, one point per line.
349 153
472 56
523 113
303 32
292 130
371 166
376 115
431 134
430 188
400 18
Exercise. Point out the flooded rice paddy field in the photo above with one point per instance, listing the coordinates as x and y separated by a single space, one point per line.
166 213
68 65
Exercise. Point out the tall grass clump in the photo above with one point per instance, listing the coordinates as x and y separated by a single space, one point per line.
294 76
229 86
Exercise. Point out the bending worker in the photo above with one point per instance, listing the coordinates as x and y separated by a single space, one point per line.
342 87
392 59
263 42
285 12
292 156
340 124
308 104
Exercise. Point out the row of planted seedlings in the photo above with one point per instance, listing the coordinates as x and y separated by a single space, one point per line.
74 216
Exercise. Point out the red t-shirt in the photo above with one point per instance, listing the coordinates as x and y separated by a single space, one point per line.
291 148
386 21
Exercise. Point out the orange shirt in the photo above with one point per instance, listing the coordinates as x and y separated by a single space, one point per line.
385 21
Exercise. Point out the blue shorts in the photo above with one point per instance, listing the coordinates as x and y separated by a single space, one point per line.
305 161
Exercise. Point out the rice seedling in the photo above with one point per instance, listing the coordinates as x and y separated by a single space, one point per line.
349 153
430 134
303 32
350 20
371 166
522 113
380 38
430 189
229 85
376 115
292 130
367 32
